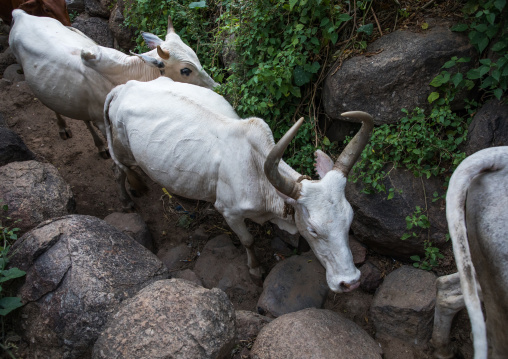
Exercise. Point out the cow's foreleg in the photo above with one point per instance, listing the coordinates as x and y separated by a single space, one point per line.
449 301
238 226
97 140
63 130
120 177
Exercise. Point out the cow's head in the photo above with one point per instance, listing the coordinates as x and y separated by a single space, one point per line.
322 213
179 62
57 9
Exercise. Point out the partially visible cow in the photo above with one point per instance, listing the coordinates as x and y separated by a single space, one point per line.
197 151
72 75
56 9
477 214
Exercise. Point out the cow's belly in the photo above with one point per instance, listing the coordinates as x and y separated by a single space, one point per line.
175 158
78 96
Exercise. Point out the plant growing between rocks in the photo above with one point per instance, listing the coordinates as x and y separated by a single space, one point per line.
7 303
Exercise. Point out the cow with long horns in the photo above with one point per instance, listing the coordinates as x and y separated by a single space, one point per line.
196 151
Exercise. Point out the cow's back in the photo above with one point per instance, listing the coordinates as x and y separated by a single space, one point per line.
170 131
50 55
487 227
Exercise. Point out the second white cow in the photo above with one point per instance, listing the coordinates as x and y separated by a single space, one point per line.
195 150
72 75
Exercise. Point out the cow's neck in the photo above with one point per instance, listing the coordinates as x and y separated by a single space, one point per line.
139 70
283 214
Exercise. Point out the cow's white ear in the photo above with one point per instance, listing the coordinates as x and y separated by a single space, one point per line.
151 40
323 164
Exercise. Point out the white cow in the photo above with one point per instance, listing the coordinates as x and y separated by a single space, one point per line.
476 210
72 75
199 152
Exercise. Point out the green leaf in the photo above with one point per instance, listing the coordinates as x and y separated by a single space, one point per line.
8 304
301 76
457 79
197 4
366 29
324 22
498 93
500 4
460 27
345 17
292 4
326 141
11 274
499 46
473 74
448 64
415 258
437 81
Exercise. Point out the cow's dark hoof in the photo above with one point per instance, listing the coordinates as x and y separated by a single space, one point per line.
105 154
65 134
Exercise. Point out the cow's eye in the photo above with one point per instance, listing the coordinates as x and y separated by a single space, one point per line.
186 71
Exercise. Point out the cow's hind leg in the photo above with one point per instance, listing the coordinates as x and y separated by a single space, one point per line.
64 131
238 226
449 301
120 177
97 140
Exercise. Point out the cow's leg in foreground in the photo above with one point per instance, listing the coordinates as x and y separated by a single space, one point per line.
449 301
238 226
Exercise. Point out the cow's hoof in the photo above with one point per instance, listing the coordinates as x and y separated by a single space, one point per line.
256 274
65 134
129 207
105 154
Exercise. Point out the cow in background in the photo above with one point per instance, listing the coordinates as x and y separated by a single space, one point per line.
71 74
477 215
56 9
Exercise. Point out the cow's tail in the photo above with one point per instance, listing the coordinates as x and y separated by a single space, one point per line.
487 160
134 179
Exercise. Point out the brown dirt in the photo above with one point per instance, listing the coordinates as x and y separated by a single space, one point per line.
92 182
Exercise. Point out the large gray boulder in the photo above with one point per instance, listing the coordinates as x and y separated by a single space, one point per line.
34 192
12 148
123 35
403 306
79 269
222 265
96 28
489 127
314 334
133 225
7 58
380 222
396 75
294 284
170 319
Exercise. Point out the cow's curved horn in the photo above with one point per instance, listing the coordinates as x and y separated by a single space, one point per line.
354 148
164 54
170 25
283 184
